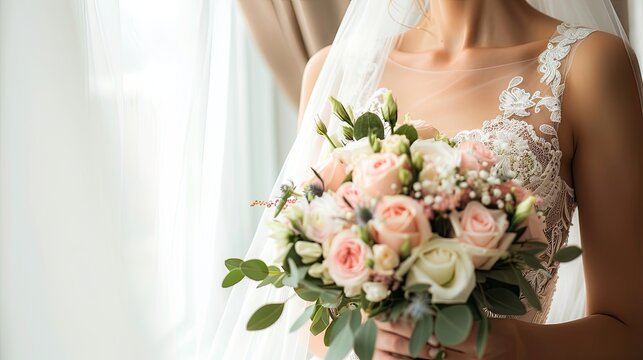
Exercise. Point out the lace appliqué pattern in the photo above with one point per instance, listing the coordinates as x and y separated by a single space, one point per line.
534 159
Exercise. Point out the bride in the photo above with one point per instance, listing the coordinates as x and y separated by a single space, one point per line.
496 71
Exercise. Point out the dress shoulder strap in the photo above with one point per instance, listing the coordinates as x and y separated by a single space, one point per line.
554 61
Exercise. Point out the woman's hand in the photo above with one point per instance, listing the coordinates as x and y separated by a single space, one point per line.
503 343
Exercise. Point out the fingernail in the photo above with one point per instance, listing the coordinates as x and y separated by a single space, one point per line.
433 353
433 341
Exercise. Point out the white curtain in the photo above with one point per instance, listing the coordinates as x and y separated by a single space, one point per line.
123 126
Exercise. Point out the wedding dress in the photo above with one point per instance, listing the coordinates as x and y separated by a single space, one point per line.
521 101
513 106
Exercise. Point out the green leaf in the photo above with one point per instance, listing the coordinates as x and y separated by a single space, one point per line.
440 355
321 320
301 320
567 254
342 345
233 263
356 319
366 124
532 261
365 339
482 336
504 275
307 294
504 302
527 290
233 277
533 247
254 269
295 275
409 131
397 310
265 316
336 327
453 324
421 333
340 110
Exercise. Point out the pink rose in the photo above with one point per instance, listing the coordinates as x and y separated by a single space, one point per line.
512 186
351 193
332 171
378 174
535 228
397 219
346 262
424 128
482 232
475 156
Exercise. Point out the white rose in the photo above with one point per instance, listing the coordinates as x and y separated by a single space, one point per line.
393 144
308 251
353 152
385 258
320 271
321 219
440 154
375 291
280 233
445 267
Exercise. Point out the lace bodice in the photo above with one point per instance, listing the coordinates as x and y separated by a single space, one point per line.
524 137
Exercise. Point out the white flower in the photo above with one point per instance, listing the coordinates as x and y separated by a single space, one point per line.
385 258
394 144
442 264
375 291
320 271
321 218
440 154
280 233
308 251
353 152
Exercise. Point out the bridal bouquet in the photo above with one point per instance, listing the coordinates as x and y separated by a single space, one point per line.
402 229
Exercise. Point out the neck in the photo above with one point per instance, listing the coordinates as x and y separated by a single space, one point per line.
463 24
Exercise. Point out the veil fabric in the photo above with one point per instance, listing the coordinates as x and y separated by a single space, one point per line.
352 73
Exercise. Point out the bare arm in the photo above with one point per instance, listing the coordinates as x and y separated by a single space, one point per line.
311 73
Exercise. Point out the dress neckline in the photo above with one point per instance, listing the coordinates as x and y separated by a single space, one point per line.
543 49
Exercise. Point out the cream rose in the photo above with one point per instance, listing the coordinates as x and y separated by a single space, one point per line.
385 259
397 219
394 143
424 129
378 174
440 154
320 219
483 233
332 171
320 271
309 251
353 152
375 291
346 262
444 266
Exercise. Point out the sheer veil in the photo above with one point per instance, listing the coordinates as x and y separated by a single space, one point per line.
351 73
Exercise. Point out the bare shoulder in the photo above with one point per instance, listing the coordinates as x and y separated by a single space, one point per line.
604 60
311 73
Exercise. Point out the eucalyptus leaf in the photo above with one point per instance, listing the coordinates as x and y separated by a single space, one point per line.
233 277
366 124
453 324
504 275
336 327
307 294
265 316
301 320
342 345
254 269
365 339
532 261
421 333
233 263
355 319
527 290
321 320
567 254
504 302
409 131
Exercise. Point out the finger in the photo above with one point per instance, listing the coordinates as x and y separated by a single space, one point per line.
401 328
450 354
397 344
381 355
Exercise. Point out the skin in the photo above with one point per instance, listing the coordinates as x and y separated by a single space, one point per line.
601 141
